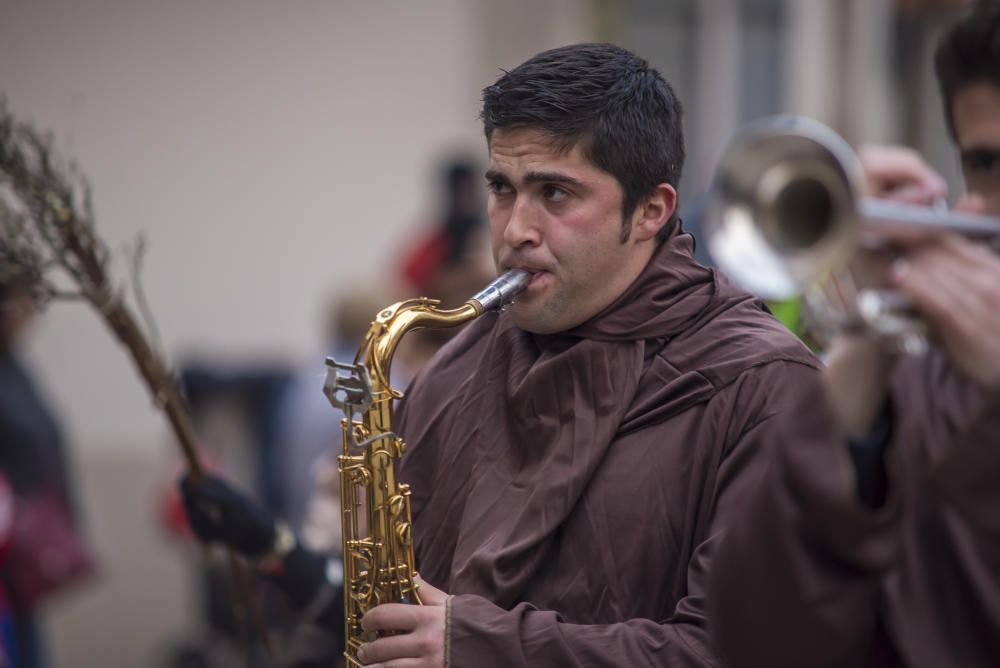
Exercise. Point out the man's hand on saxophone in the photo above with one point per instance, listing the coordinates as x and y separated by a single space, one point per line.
420 642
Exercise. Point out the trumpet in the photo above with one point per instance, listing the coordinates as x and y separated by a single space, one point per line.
786 216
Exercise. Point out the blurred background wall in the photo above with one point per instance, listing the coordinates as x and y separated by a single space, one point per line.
273 151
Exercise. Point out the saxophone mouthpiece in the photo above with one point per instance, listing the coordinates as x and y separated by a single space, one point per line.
502 291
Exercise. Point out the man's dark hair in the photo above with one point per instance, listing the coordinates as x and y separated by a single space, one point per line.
969 53
622 113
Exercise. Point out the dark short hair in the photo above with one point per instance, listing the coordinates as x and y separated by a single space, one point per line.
623 114
969 53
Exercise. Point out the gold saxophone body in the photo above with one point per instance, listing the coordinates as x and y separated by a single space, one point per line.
379 565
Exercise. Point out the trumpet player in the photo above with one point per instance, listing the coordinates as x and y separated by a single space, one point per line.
574 459
874 538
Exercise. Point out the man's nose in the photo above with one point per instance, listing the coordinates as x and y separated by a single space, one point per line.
523 225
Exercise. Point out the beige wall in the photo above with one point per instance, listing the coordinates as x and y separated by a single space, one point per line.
269 151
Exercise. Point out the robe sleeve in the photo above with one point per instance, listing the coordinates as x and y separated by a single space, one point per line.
484 635
798 579
959 600
965 478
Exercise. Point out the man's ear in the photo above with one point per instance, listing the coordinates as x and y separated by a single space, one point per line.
653 212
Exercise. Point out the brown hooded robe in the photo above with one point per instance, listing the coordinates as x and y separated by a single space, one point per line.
569 489
811 577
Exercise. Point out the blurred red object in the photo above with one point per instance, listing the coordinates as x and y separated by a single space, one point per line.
172 515
46 554
425 259
170 504
6 515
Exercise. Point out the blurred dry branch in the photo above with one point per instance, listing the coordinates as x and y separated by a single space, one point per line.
47 227
48 238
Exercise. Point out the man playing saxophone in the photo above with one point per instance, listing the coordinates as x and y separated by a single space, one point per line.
574 459
873 540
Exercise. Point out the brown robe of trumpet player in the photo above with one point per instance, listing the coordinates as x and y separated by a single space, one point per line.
874 537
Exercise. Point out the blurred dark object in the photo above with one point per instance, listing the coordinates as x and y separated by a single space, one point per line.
464 214
312 583
188 657
237 416
232 411
252 396
218 513
915 7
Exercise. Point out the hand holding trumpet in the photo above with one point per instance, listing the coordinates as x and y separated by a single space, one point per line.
952 281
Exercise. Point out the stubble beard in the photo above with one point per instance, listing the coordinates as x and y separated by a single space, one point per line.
541 317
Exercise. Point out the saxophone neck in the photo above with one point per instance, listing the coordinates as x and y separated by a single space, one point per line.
394 322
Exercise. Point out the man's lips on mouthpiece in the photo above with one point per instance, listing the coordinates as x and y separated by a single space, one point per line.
538 275
538 278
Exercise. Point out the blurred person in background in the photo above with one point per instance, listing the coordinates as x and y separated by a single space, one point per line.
874 538
455 238
270 435
446 263
308 431
449 263
452 286
45 553
6 532
234 406
571 458
311 581
301 558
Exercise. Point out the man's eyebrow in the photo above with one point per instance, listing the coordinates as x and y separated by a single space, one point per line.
495 176
552 177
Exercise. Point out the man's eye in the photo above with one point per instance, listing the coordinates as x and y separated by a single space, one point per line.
554 193
981 161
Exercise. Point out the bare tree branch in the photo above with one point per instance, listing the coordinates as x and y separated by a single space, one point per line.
47 222
46 229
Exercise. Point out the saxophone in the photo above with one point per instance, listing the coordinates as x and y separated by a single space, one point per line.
375 507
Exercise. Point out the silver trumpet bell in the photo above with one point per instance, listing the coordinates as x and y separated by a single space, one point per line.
786 216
